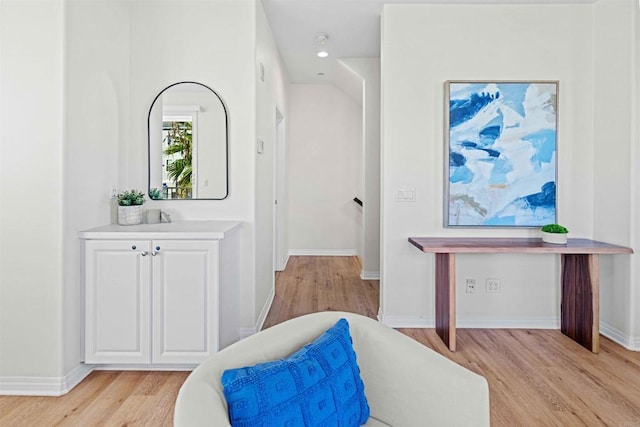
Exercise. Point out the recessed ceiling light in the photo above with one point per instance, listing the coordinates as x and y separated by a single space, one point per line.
321 43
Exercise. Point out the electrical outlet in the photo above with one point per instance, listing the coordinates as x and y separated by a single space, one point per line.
493 285
471 286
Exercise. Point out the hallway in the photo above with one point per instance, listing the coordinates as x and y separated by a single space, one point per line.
310 284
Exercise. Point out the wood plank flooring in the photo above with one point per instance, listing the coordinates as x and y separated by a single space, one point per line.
104 398
312 284
536 377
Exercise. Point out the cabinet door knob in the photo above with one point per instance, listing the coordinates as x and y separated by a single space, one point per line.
144 253
154 253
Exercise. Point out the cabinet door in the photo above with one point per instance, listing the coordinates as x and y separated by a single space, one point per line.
117 301
185 300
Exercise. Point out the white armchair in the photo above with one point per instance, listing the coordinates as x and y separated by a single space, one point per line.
406 383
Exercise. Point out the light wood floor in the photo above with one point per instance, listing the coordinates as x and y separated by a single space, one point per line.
536 377
104 398
312 284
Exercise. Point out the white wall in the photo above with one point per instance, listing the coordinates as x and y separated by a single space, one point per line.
369 70
324 161
220 36
114 74
347 80
544 42
635 179
614 179
53 185
31 188
96 134
270 94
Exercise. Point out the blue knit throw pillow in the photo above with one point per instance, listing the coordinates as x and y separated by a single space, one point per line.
319 385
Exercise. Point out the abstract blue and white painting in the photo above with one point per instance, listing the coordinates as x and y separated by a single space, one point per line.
502 144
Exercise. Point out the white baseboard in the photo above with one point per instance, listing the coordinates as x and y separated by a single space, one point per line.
406 321
44 386
323 252
410 322
508 322
284 264
616 335
370 275
76 375
137 367
265 309
247 332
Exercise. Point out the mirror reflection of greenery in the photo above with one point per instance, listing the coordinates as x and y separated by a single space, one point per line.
180 141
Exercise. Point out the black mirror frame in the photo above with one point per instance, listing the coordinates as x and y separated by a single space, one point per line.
226 125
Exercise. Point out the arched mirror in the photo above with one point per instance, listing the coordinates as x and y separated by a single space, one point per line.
187 131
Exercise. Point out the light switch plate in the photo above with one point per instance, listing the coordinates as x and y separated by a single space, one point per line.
406 195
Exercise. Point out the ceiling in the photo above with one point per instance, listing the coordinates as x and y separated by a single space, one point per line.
353 27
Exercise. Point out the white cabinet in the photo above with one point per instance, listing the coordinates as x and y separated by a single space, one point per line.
151 300
185 301
117 302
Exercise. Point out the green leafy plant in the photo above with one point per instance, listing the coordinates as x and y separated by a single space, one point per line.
131 198
155 194
554 228
181 143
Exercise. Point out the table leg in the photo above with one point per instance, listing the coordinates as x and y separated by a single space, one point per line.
446 299
580 307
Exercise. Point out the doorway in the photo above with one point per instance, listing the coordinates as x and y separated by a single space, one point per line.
280 248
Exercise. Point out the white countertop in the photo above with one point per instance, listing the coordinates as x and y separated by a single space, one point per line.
191 230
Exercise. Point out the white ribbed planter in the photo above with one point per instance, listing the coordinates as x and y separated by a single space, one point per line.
130 215
555 238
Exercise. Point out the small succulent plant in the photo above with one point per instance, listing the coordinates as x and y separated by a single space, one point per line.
131 198
155 194
554 228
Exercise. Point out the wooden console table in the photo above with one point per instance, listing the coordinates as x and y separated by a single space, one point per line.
580 306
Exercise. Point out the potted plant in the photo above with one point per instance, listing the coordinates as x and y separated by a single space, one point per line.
155 194
130 207
554 233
